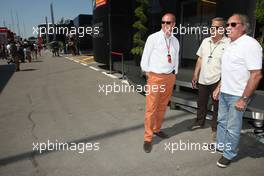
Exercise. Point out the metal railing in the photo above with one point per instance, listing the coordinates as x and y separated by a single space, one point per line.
122 63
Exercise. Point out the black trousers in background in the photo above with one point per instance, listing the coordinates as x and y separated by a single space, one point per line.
204 92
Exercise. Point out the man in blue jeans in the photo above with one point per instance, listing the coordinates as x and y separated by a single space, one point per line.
240 75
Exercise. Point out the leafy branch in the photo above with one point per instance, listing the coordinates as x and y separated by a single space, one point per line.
139 25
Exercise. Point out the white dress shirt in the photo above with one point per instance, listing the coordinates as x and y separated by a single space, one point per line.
155 54
240 56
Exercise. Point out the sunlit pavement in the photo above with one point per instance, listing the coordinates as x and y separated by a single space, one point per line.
83 59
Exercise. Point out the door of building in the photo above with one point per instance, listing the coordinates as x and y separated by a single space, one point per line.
194 14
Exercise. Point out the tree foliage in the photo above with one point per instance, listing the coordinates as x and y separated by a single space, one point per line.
259 13
141 29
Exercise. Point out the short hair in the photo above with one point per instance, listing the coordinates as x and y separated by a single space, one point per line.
171 14
244 20
219 19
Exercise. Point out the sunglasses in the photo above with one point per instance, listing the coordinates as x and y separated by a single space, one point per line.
166 22
232 24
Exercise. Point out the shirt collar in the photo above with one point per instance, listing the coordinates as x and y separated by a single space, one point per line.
163 34
239 39
222 40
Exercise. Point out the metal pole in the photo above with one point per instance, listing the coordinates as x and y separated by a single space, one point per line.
4 23
52 19
25 32
47 36
110 36
122 57
18 28
13 23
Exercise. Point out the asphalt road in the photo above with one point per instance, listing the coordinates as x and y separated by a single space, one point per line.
55 100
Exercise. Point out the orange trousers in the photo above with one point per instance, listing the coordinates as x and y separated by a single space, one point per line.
157 101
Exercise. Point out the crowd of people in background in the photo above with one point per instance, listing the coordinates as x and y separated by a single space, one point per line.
69 47
23 51
20 52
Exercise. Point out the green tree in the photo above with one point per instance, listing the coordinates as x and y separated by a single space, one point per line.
141 29
259 12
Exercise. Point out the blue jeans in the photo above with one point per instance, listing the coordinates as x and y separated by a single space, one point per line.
229 125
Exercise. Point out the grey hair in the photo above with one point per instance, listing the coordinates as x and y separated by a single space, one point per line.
244 20
219 19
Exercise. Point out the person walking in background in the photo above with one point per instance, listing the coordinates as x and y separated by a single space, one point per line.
15 55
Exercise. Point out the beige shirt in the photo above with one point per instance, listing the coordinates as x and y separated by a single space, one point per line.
211 54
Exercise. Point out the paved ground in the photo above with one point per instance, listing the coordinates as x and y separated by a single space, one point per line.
59 100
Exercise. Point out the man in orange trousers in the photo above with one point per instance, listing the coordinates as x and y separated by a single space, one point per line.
160 63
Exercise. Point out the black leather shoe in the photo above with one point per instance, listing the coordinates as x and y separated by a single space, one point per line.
161 135
223 162
147 146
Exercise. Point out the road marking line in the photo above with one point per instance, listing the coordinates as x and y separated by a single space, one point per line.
96 69
125 82
112 76
84 64
76 61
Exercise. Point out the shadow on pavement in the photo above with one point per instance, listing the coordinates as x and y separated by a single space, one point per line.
35 153
6 72
174 130
36 61
29 69
249 147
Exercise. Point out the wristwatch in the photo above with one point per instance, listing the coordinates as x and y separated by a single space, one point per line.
244 98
